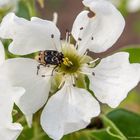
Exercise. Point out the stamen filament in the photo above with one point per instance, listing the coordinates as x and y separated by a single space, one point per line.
91 62
67 36
86 73
62 82
72 79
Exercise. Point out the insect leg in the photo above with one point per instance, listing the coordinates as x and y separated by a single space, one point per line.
54 70
38 68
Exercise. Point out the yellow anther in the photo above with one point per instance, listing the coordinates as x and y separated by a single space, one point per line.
67 62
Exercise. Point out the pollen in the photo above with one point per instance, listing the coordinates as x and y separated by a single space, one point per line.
67 62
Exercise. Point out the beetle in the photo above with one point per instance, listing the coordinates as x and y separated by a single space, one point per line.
49 57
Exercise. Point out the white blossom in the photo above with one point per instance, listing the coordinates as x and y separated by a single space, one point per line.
8 95
8 5
71 107
116 2
131 5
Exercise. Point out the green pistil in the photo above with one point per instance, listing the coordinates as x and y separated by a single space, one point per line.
73 62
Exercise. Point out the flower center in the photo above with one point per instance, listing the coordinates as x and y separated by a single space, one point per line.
72 61
70 70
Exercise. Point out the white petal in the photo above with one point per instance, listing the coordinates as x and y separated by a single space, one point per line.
7 3
69 110
133 5
8 94
10 132
7 101
2 53
18 92
22 72
102 30
114 78
29 36
117 3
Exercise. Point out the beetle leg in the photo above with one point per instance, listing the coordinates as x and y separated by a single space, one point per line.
54 70
38 68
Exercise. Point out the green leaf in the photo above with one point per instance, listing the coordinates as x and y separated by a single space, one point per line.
134 53
103 135
23 10
119 125
33 133
123 8
112 129
81 135
127 122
